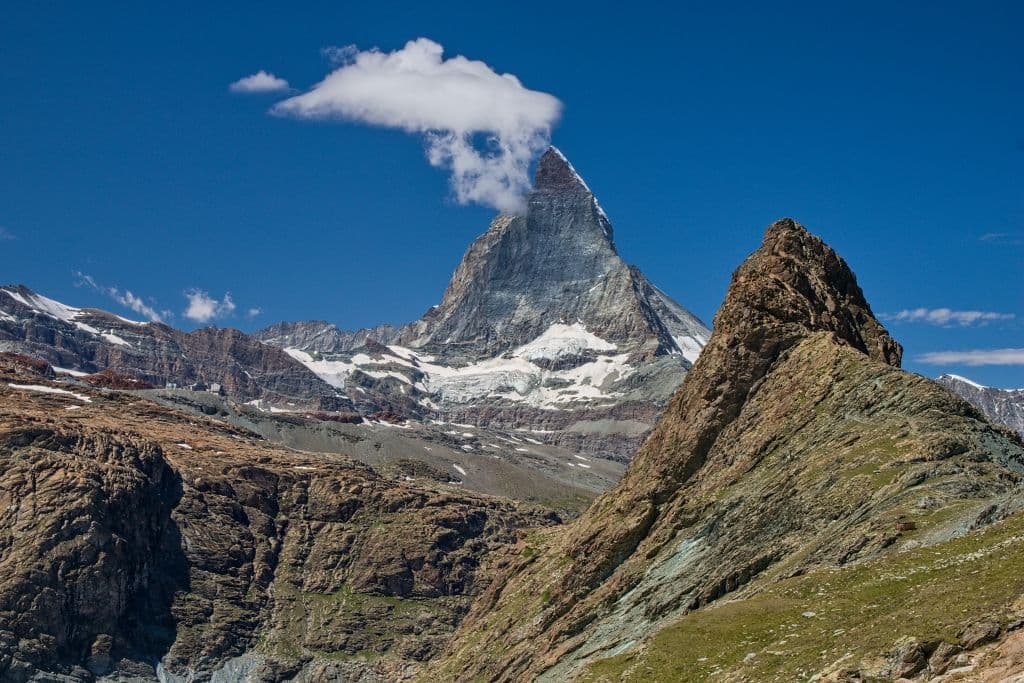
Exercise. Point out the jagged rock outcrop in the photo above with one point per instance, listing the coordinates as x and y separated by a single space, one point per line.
543 326
133 537
1002 406
90 340
320 336
795 444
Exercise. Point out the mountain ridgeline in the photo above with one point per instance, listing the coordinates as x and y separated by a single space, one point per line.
795 454
542 329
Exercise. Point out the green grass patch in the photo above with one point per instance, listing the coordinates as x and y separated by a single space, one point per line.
859 612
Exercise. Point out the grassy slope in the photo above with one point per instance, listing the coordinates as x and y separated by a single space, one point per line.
859 612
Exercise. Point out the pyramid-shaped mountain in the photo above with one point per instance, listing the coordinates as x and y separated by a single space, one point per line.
555 264
543 326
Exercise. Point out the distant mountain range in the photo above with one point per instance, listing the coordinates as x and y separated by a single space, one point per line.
1002 406
86 340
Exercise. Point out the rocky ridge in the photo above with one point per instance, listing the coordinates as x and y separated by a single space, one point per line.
85 340
795 448
1002 406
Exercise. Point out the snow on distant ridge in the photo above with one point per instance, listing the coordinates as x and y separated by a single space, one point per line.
965 381
41 304
514 376
64 313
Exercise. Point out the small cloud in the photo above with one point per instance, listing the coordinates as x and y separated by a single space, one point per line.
126 298
259 82
483 126
6 234
1011 238
974 357
947 316
202 308
253 312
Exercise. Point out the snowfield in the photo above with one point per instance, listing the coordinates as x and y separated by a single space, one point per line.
49 390
514 376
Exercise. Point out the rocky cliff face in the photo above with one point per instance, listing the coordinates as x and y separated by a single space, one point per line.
795 449
320 337
543 327
1002 406
556 264
136 541
90 340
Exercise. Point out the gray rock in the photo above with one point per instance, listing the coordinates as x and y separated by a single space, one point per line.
1002 406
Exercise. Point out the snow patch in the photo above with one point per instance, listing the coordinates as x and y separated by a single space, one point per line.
561 340
459 470
114 339
86 328
690 347
49 390
68 371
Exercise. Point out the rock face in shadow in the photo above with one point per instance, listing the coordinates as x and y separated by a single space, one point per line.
91 559
133 535
794 443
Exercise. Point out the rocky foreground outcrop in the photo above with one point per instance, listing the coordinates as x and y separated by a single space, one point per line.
803 507
136 540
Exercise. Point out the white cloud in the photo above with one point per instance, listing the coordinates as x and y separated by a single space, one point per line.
975 357
126 298
136 304
259 82
483 126
253 312
337 55
1011 238
947 316
202 308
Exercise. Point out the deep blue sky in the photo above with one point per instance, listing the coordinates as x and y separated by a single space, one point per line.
894 130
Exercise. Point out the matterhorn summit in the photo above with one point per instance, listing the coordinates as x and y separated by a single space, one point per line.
543 326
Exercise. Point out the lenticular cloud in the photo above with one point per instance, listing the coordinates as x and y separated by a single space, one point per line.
483 126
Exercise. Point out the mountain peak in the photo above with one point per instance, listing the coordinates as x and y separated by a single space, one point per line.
795 284
556 174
